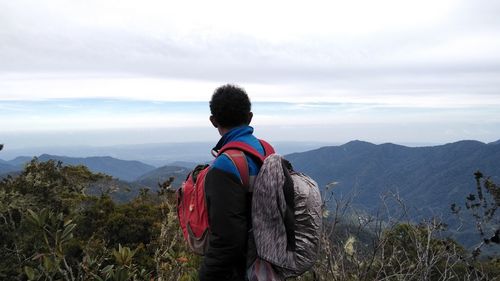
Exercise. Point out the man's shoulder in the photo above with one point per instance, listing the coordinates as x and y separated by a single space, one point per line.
253 142
222 162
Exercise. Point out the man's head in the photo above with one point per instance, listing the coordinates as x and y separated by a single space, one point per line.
230 107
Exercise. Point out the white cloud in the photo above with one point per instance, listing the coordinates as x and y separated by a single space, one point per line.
252 41
371 55
418 90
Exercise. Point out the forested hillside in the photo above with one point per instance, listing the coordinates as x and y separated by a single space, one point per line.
427 179
153 178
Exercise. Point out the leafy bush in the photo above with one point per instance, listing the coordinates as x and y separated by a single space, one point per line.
51 229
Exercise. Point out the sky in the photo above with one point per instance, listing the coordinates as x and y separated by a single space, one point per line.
102 72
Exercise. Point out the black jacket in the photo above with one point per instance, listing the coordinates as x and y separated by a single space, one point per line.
231 246
229 216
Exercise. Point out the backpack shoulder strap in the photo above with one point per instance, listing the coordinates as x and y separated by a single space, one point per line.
268 149
242 146
236 150
240 161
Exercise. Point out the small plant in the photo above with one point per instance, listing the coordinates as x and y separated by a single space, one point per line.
483 206
56 232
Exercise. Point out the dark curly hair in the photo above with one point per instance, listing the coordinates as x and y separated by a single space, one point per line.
230 106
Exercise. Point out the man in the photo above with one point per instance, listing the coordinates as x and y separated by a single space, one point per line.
228 201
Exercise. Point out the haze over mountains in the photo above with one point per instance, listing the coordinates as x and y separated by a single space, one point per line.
155 154
360 167
428 179
367 169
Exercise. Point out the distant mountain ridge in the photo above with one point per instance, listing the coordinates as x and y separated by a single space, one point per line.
122 169
134 172
156 154
428 179
495 142
20 161
6 167
153 178
417 172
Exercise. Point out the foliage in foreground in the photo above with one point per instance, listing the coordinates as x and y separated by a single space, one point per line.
52 229
357 246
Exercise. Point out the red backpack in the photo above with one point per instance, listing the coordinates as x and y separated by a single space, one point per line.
191 208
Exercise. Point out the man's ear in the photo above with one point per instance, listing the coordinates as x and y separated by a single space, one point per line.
250 115
214 122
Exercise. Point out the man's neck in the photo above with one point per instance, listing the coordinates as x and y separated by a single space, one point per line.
223 131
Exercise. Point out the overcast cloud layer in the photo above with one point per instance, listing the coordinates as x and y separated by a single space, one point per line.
421 63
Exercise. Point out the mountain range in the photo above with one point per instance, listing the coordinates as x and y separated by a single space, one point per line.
356 165
153 178
134 173
6 167
156 154
122 169
427 179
